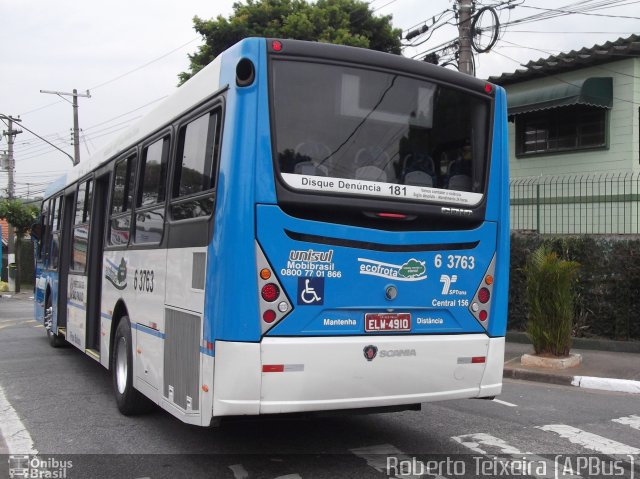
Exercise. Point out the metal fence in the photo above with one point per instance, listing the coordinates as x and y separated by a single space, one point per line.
577 204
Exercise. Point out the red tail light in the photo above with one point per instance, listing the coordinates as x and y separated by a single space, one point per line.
480 306
269 316
270 292
484 295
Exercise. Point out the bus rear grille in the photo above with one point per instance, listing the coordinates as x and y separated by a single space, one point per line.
198 270
182 359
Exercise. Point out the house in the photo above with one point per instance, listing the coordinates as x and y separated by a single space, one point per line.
574 135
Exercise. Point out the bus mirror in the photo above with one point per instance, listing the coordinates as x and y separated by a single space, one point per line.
36 231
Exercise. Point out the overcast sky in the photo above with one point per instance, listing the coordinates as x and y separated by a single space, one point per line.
128 53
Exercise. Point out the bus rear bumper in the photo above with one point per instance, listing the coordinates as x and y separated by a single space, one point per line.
286 375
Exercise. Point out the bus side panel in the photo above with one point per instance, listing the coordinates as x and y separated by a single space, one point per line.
498 211
231 280
137 279
77 310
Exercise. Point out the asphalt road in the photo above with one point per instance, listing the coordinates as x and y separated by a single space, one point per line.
64 400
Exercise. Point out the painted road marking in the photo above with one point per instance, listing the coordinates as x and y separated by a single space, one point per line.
505 403
487 441
380 457
589 440
486 444
38 326
633 421
15 435
239 472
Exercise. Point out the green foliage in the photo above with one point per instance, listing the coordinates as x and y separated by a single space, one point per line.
550 298
19 215
345 22
607 298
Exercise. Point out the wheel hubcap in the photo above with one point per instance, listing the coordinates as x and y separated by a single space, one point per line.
121 365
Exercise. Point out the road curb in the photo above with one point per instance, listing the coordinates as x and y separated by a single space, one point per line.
541 377
587 382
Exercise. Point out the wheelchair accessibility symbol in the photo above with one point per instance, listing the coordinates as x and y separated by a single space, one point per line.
310 291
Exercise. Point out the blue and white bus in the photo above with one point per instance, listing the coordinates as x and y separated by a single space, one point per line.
300 227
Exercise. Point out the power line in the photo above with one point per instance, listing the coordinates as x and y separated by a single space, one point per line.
147 64
582 13
571 33
122 75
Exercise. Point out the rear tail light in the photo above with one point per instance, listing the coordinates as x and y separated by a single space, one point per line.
484 295
481 303
269 316
272 298
270 292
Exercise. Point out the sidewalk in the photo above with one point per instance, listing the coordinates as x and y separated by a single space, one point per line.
23 294
612 371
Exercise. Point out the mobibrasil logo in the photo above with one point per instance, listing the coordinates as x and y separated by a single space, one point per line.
412 270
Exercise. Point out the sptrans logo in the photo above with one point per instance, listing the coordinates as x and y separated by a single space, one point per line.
412 270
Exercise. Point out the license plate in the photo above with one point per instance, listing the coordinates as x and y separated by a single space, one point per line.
374 322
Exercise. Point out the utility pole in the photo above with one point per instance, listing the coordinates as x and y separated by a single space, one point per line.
76 128
11 134
465 55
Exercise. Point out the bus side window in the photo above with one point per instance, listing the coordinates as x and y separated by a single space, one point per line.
151 192
55 233
81 226
45 232
122 201
195 168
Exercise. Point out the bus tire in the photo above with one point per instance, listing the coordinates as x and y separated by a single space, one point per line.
55 340
129 400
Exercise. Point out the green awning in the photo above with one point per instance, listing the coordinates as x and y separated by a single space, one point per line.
596 92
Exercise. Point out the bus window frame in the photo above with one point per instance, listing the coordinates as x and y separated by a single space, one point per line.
168 132
86 221
129 153
323 205
213 108
53 263
195 231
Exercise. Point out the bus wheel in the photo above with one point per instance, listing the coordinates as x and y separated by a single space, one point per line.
130 401
55 340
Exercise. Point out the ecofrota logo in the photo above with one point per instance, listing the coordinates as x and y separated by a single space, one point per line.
412 270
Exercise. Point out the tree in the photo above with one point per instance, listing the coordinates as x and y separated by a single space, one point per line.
345 22
21 217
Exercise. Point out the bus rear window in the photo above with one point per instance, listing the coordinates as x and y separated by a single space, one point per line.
348 130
